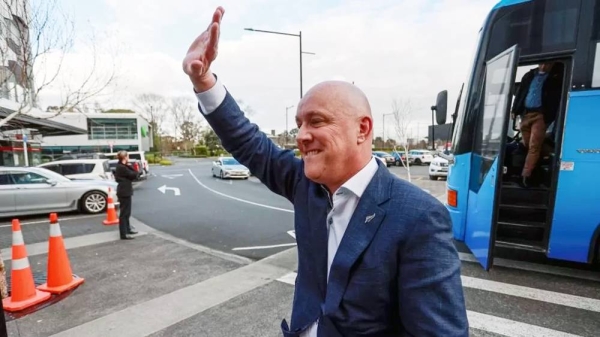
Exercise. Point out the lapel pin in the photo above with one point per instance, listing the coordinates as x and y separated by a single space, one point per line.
369 218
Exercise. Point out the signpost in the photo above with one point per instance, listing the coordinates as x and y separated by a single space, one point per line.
25 149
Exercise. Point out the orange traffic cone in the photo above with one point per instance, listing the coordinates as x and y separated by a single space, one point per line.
23 293
60 277
111 213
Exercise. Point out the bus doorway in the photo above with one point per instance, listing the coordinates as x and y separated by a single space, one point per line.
525 205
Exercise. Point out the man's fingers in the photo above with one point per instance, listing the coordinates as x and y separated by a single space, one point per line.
213 43
217 16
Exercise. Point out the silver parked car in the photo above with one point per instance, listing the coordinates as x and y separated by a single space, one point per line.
36 190
228 167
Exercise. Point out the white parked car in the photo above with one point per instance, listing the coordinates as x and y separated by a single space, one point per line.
81 169
229 167
420 157
36 190
438 168
138 155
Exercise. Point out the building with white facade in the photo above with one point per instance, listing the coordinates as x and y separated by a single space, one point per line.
106 132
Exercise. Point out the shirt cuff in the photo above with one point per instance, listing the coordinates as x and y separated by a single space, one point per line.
211 99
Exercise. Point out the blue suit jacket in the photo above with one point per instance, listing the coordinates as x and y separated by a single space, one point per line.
396 275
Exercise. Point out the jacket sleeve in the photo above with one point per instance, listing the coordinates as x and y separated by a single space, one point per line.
278 169
519 102
429 285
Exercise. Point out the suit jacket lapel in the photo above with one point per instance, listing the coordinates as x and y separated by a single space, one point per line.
318 207
360 232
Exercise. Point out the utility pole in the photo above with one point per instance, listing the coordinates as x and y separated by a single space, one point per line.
299 36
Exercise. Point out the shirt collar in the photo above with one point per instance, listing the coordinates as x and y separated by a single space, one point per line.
359 182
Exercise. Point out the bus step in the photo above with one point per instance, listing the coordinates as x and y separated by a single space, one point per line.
511 231
532 246
511 195
525 224
522 213
524 206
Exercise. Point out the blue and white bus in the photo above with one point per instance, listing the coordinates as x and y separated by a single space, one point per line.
491 212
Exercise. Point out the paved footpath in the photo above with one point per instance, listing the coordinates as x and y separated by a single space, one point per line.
160 286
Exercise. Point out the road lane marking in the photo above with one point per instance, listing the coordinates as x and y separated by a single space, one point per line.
59 219
171 176
238 199
507 327
265 247
566 300
489 323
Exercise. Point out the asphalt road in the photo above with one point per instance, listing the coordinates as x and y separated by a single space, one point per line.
235 216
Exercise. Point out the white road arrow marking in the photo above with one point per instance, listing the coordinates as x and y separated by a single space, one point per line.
292 233
164 189
172 176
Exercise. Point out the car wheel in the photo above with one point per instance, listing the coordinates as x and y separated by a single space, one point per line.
433 177
418 162
222 176
94 202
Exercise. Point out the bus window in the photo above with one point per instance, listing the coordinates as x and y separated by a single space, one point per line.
553 29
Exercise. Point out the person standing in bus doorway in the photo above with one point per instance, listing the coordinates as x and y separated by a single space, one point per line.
537 101
125 175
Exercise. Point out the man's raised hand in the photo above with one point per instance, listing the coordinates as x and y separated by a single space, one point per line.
202 53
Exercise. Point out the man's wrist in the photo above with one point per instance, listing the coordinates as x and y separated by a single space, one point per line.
205 83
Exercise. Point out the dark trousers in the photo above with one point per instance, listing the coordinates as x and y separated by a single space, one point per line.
124 214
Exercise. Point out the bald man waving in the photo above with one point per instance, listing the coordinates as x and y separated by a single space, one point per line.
375 253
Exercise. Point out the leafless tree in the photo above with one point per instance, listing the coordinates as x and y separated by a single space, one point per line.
33 50
186 119
154 108
402 111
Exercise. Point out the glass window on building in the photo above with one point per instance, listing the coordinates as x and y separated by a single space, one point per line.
112 128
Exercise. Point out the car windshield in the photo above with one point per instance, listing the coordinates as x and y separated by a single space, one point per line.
230 161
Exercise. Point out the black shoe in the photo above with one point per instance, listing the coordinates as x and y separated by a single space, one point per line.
525 182
127 237
132 232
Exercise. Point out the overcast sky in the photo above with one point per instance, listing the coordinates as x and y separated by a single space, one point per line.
391 49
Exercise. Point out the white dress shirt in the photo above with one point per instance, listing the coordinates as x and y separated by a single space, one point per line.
344 200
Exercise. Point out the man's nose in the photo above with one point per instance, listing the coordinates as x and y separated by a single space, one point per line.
303 135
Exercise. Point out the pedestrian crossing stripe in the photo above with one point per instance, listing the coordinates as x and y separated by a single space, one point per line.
507 327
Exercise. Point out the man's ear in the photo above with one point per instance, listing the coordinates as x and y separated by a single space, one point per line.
365 129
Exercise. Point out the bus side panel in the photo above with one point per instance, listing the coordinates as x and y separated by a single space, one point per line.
577 207
458 180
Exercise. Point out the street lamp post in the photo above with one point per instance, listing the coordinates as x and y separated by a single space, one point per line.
287 130
384 127
299 36
433 108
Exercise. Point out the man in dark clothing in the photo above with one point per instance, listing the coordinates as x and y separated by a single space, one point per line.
125 175
537 102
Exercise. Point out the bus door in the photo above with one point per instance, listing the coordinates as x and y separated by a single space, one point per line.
488 153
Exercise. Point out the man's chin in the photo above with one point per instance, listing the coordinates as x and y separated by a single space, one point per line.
312 172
